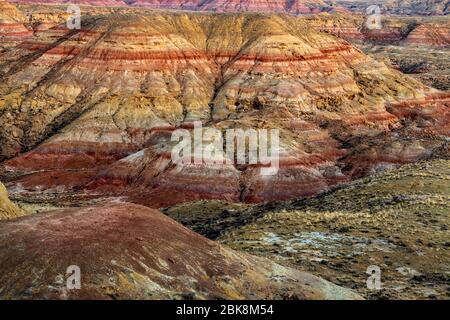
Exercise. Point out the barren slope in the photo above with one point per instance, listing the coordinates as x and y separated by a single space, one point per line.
397 220
126 251
12 29
399 7
291 6
123 83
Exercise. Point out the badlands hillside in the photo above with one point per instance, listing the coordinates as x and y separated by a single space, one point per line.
294 7
127 251
415 44
402 7
12 28
90 112
86 118
397 220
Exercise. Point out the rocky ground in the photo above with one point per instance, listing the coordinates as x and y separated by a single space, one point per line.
427 64
86 118
397 220
126 251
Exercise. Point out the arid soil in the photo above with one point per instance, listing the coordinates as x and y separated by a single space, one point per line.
126 251
397 220
86 118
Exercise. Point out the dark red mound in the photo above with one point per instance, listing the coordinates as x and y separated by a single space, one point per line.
127 251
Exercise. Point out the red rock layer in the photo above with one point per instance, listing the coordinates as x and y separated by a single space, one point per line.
393 30
406 7
152 172
12 28
430 35
432 114
96 107
291 6
383 35
8 210
352 27
296 6
81 2
426 124
399 7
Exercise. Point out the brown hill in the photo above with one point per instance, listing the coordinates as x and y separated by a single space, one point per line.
123 83
397 220
400 7
126 251
296 6
80 2
12 29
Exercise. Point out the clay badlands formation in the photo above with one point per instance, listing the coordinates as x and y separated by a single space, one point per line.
91 111
402 7
86 118
133 252
295 6
12 28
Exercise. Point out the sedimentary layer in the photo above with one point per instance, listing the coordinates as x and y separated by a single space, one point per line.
295 7
403 7
80 2
12 28
93 110
430 34
8 210
399 7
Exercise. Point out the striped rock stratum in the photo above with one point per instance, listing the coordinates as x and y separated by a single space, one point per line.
77 103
